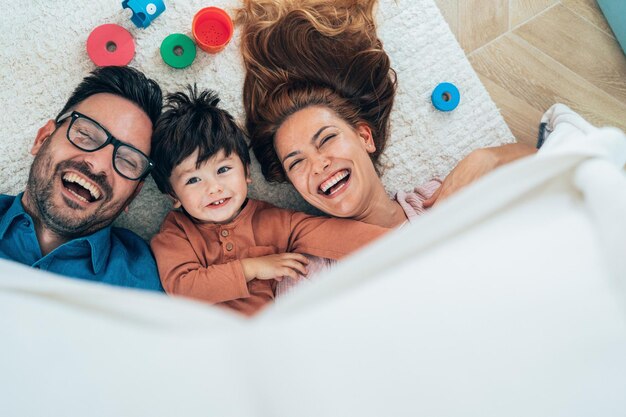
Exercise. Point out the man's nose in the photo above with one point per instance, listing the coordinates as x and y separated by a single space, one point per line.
100 161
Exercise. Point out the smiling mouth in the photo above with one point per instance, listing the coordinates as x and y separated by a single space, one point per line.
219 203
334 183
81 188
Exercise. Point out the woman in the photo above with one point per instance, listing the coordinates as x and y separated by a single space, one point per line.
318 93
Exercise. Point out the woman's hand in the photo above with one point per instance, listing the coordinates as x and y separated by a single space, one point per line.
274 266
477 164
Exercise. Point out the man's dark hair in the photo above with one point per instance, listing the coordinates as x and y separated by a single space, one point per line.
125 82
191 122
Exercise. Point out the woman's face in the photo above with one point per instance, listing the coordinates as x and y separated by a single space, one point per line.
327 161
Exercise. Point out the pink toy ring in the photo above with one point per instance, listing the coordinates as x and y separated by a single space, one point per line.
110 44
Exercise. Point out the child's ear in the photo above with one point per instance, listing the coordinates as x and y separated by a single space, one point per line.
365 133
43 134
248 176
175 201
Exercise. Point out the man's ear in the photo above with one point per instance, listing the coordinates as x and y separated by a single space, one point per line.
132 197
43 134
365 133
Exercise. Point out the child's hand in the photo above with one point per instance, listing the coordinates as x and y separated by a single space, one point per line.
274 266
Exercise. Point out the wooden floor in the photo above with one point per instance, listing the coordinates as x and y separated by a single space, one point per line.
530 54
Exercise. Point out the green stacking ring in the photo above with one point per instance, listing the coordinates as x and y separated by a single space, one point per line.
178 50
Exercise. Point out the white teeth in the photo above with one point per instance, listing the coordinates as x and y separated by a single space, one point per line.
80 197
333 180
217 203
93 190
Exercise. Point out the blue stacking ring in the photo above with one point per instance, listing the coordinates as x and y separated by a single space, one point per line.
446 97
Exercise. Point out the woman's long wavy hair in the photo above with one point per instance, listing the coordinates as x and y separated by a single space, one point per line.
302 53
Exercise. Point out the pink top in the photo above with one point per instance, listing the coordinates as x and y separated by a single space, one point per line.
413 202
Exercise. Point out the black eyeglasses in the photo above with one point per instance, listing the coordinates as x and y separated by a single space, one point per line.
89 136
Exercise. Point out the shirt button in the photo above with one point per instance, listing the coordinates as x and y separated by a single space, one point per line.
229 247
225 233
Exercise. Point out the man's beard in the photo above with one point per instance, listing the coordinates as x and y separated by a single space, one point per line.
66 221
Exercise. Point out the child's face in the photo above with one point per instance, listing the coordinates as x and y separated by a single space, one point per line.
213 193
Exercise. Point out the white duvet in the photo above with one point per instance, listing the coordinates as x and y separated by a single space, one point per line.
507 300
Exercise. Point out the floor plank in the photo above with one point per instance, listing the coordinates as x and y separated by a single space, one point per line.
589 9
530 54
540 81
522 118
522 10
480 22
581 47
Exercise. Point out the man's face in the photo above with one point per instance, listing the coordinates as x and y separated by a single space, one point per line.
73 192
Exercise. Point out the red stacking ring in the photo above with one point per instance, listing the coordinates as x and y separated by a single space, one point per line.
110 44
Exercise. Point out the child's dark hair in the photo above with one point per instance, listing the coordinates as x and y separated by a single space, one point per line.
191 122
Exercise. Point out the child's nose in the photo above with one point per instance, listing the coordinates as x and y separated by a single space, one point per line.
214 187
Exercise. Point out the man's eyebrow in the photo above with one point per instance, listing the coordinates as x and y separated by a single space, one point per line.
314 138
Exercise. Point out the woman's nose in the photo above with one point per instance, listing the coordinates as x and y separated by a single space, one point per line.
320 164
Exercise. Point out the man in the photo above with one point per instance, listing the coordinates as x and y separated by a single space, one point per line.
90 162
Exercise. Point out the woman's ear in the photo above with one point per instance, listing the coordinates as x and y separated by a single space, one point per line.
43 134
365 133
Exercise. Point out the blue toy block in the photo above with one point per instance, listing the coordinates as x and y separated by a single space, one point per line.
144 11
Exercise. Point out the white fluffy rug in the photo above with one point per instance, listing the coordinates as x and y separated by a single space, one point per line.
43 58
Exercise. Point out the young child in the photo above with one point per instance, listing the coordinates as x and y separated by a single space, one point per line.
222 247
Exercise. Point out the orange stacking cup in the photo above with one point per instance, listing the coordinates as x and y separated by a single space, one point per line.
212 29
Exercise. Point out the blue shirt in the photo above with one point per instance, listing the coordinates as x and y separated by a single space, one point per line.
111 255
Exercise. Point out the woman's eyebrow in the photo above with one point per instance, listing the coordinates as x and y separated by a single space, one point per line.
319 132
290 154
314 138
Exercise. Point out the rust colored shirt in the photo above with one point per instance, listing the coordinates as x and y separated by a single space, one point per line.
202 260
